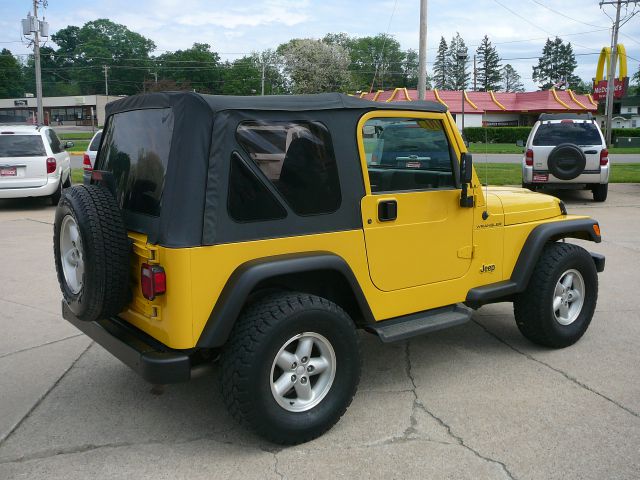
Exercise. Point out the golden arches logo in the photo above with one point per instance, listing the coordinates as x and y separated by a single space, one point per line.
605 59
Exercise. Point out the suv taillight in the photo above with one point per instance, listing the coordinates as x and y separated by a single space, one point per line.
86 163
529 157
51 165
153 281
604 157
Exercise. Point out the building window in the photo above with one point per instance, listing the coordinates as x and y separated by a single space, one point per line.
298 158
633 124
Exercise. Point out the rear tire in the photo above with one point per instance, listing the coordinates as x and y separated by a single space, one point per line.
91 252
556 308
600 192
268 381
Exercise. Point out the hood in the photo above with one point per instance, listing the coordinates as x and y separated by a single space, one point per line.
521 205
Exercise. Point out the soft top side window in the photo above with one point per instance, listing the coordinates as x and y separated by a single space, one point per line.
298 158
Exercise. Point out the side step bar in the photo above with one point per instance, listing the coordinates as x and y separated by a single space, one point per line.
402 328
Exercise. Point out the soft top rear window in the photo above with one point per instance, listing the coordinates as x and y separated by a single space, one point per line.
578 133
136 150
21 146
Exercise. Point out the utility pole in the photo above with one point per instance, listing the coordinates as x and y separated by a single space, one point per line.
475 75
612 71
614 60
422 51
262 80
31 25
106 80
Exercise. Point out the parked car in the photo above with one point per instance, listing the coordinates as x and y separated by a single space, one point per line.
89 157
33 162
258 231
567 150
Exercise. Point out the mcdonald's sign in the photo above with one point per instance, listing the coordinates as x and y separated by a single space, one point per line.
620 83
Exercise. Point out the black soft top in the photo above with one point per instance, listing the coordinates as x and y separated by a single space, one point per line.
217 103
195 194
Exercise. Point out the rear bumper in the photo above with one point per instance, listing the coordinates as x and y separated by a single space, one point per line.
588 177
151 360
45 190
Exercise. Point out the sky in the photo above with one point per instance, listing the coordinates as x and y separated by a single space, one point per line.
518 29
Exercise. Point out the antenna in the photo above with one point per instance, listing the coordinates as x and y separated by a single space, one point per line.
485 214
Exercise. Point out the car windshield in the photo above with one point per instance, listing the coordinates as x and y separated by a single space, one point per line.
95 143
551 134
21 146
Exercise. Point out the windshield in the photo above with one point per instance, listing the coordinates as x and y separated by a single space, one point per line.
551 134
21 146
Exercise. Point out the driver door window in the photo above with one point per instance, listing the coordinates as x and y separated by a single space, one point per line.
405 154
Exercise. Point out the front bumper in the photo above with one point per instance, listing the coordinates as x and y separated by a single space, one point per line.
587 177
151 360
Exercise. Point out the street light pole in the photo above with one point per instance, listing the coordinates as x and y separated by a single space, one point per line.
422 51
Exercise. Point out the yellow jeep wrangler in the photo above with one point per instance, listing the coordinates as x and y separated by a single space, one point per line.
264 231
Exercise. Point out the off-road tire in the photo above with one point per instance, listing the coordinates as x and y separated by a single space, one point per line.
105 247
533 308
258 335
600 191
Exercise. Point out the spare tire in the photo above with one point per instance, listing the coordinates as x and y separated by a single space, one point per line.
566 161
92 252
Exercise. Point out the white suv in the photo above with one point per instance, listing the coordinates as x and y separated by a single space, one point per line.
567 151
33 162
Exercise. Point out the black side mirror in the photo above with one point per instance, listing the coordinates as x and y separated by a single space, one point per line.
68 144
466 168
466 173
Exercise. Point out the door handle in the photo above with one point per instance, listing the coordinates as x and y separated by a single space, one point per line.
387 210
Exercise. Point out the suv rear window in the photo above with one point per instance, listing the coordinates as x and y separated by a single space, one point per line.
551 134
95 143
21 146
136 150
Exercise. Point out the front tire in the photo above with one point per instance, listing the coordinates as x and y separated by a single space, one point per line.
556 308
291 367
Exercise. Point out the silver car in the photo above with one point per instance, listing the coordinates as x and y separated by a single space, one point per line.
567 151
33 162
89 157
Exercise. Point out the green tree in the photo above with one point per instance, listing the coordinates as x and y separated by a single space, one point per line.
313 66
458 56
510 79
488 76
198 66
556 65
11 80
442 66
244 75
83 51
582 87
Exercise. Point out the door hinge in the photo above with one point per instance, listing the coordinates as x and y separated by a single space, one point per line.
465 252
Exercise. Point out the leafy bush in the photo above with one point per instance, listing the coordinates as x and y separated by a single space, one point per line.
496 134
623 132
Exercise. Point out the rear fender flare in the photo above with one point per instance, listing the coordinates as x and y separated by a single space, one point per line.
250 274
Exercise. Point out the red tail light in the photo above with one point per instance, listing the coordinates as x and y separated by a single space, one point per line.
51 165
153 281
529 158
86 163
604 157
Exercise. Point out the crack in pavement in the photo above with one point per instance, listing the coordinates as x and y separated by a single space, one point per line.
557 370
41 399
275 466
41 345
458 439
53 314
89 447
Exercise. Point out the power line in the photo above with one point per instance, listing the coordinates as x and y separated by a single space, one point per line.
565 15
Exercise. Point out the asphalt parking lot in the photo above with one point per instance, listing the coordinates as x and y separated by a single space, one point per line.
476 401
